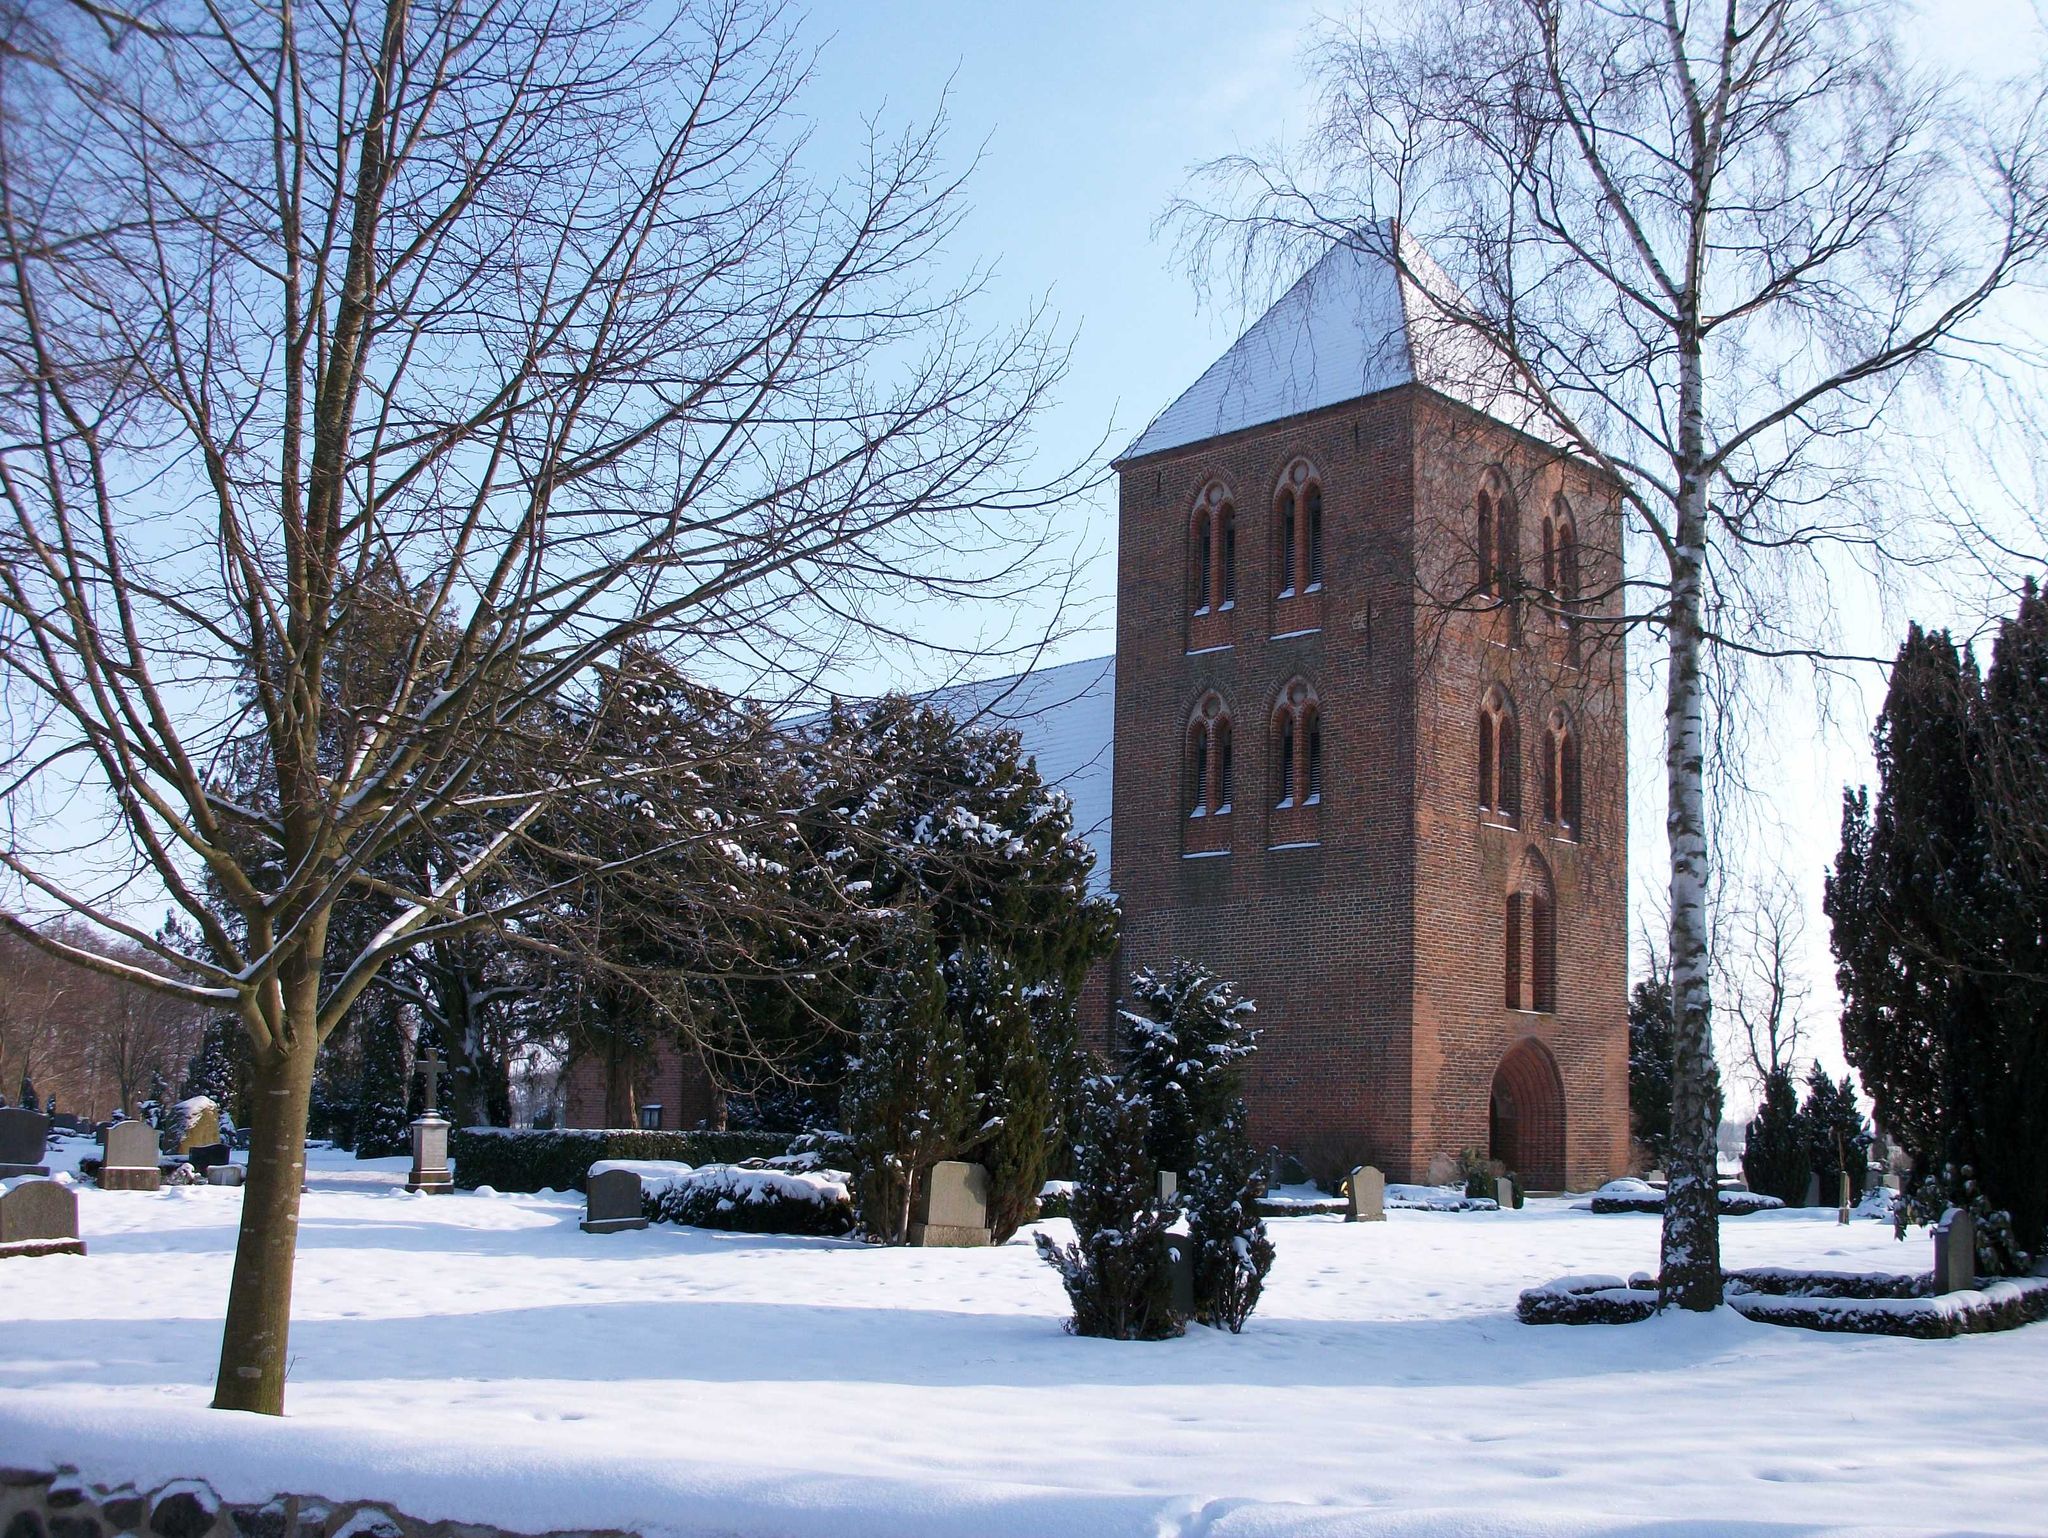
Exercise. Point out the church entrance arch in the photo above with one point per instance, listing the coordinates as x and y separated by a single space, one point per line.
1526 1121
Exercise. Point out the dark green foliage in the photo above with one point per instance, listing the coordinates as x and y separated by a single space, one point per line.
1187 1039
1232 1250
1649 1067
909 1099
1939 903
1774 1156
212 1069
525 1160
381 1123
1012 1084
28 1093
1115 1271
1836 1135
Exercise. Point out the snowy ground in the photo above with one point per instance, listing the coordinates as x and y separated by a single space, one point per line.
479 1357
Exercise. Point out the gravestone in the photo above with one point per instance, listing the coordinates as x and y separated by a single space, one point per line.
430 1172
1169 1186
202 1130
1443 1170
23 1136
40 1217
1504 1193
1842 1206
1812 1189
227 1175
207 1157
952 1207
611 1202
1955 1252
1368 1196
1180 1273
130 1163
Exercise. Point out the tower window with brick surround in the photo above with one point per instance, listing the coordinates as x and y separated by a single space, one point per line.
1500 757
1298 532
1496 537
1529 939
1212 568
1208 765
1561 775
1561 569
1295 765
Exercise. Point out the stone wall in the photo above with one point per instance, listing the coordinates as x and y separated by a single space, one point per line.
37 1504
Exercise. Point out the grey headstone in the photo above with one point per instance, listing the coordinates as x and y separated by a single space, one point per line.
612 1202
952 1206
206 1157
23 1136
430 1172
1955 1252
1368 1196
226 1175
1812 1189
1169 1185
1443 1170
42 1214
1504 1192
131 1145
1180 1271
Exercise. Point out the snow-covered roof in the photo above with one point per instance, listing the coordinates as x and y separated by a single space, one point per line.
1066 717
1354 324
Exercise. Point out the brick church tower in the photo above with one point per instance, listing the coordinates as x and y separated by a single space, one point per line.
1370 748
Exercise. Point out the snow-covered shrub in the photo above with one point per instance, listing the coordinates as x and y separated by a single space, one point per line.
1623 1196
1331 1153
757 1201
1232 1250
525 1159
1115 1271
176 1122
1188 1039
1588 1300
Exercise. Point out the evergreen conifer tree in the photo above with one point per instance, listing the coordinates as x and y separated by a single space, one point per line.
1836 1136
1012 1083
211 1071
1774 1155
1188 1039
1233 1252
381 1123
909 1097
1115 1270
1649 1066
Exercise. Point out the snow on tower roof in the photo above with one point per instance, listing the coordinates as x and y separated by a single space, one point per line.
1354 324
1066 717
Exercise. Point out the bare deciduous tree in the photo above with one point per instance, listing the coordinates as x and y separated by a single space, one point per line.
521 318
1759 981
1713 244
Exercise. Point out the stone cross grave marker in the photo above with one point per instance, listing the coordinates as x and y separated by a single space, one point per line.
1368 1196
952 1207
612 1202
430 1069
430 1172
1955 1252
130 1162
23 1135
40 1217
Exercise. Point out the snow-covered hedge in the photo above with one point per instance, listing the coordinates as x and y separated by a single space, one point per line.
1884 1305
755 1200
1588 1300
509 1159
1631 1195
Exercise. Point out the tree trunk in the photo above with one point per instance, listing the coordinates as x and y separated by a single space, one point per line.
253 1343
1691 1248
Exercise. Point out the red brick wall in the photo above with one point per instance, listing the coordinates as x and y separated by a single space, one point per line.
1375 956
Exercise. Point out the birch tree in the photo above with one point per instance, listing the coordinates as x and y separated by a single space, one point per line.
1712 244
525 316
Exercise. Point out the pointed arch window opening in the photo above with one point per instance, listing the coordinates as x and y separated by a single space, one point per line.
1209 761
1499 759
1529 943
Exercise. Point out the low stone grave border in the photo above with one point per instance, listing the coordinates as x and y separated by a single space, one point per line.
1843 1302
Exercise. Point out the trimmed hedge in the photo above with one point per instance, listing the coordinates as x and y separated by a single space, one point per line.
1588 1300
509 1159
1885 1305
1733 1204
755 1202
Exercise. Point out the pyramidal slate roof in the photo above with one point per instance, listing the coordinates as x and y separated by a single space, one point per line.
1356 323
1066 718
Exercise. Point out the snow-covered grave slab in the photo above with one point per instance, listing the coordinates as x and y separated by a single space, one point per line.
479 1358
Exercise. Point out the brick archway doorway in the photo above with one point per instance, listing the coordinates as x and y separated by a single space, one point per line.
1526 1121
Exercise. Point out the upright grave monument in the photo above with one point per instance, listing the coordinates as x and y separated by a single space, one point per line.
612 1202
1367 1193
39 1217
129 1162
952 1207
430 1172
23 1135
